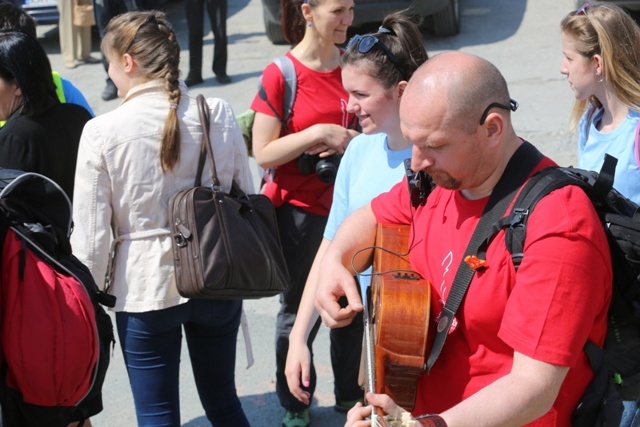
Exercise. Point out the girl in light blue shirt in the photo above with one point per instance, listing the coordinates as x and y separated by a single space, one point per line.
602 64
375 71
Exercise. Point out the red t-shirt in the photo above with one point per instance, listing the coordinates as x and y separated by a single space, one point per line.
320 98
547 311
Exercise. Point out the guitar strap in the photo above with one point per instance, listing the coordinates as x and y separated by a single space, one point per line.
520 166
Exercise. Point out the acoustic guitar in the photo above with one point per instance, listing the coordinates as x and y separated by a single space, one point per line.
396 319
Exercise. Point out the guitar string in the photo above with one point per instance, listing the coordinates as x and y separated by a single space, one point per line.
389 251
411 245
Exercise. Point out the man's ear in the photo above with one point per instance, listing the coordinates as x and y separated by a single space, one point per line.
494 126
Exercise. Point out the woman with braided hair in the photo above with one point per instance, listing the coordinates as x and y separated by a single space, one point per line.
130 162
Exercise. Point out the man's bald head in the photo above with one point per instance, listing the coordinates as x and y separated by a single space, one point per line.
468 84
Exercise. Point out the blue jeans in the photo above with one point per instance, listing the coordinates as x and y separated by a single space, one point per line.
630 414
151 344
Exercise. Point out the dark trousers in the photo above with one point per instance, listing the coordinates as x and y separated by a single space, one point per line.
151 343
148 4
104 10
301 233
217 11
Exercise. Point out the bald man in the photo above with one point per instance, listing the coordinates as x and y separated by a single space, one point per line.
513 353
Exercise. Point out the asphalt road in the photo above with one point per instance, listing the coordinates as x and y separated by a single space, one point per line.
520 36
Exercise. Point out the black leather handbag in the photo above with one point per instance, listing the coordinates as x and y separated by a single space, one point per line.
225 245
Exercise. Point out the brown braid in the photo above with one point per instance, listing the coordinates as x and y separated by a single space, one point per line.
149 38
170 149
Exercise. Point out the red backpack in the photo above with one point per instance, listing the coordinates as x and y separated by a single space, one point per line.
49 335
54 336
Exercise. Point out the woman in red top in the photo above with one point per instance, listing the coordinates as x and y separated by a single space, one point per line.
317 128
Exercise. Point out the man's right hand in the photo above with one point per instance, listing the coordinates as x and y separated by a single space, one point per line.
351 248
332 285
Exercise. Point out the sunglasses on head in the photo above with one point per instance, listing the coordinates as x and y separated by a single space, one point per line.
513 106
364 44
582 10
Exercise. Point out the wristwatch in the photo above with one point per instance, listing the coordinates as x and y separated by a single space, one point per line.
431 420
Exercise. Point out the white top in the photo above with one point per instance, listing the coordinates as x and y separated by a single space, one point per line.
121 188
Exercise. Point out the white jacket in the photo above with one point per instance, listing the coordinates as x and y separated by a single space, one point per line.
120 188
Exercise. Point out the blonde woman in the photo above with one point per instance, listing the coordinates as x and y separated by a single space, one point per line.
604 75
602 65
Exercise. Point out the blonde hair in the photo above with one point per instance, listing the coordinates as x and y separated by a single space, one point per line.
608 31
148 37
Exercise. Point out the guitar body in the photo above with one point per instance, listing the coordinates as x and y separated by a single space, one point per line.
400 305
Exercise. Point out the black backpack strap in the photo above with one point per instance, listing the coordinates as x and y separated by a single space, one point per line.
536 188
520 166
596 185
604 181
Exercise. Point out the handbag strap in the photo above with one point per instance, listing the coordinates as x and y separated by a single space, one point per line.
520 166
205 149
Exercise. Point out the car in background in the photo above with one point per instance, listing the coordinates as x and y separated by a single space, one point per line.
45 12
440 17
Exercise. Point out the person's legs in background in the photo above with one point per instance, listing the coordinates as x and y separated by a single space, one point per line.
211 335
345 361
218 16
301 234
83 37
194 10
104 11
151 344
145 5
65 31
75 42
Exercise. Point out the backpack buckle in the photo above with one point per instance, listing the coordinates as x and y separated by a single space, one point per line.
518 217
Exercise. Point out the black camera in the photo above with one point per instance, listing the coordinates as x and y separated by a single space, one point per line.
326 167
